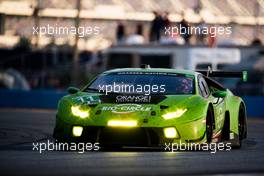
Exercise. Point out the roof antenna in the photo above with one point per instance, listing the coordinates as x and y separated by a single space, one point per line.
209 71
145 66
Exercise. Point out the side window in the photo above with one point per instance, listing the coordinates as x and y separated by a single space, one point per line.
203 87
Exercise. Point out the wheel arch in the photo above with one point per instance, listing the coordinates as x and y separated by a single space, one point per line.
233 107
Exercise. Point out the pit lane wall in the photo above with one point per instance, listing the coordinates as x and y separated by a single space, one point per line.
48 99
39 99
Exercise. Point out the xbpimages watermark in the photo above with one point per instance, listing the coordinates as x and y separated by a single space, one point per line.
81 31
212 147
130 88
213 31
79 147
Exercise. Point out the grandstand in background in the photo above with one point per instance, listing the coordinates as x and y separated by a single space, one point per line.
245 16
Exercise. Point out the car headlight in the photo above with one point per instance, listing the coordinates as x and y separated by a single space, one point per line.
77 111
77 131
118 123
170 132
175 114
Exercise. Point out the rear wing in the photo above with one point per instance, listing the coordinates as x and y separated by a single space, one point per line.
225 74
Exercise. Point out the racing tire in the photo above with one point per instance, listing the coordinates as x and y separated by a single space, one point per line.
242 128
209 125
226 128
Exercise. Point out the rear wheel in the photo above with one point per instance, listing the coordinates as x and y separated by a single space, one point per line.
226 127
209 125
242 127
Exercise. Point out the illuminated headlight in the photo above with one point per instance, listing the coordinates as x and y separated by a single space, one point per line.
77 131
119 123
170 132
175 114
77 111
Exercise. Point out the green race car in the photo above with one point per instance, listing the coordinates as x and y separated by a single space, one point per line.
151 107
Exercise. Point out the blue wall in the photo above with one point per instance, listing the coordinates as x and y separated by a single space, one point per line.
48 99
255 106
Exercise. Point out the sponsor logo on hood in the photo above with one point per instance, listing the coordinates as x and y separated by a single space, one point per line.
87 99
132 99
126 108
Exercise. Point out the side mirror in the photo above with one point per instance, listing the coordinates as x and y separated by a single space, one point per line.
219 94
73 90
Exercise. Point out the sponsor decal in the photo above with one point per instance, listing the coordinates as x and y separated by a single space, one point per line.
126 108
144 73
87 99
133 99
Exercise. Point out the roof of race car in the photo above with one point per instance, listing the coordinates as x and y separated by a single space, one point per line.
158 70
163 70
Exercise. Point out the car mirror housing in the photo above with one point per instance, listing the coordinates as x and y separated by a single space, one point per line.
219 94
73 90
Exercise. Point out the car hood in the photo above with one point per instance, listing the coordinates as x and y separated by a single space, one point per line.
140 104
147 112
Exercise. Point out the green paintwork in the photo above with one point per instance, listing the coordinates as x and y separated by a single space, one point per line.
73 90
245 76
219 93
190 126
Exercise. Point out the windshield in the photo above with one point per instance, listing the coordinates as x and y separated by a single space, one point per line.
143 83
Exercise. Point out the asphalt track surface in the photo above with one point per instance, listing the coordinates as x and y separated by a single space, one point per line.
20 128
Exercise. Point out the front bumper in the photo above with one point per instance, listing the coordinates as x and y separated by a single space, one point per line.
191 132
